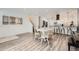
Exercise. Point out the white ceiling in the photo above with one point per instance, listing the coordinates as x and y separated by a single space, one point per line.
33 11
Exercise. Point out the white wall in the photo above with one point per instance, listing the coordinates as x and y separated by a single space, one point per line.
66 15
9 30
78 16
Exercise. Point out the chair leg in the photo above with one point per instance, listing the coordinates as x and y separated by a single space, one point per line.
42 41
68 46
47 41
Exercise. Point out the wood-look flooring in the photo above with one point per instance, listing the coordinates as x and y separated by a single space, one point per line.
25 42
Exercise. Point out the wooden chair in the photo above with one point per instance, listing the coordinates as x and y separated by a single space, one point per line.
73 42
44 37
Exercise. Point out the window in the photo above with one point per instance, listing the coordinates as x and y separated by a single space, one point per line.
57 17
12 20
5 20
19 20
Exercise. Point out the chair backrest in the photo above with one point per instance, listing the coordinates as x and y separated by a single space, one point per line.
73 37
